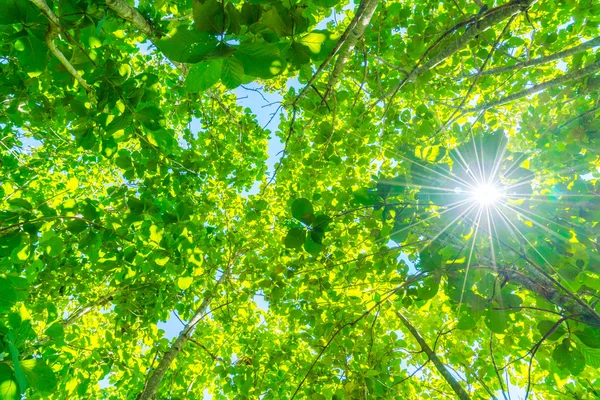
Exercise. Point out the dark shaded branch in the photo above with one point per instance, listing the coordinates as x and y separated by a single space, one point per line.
544 287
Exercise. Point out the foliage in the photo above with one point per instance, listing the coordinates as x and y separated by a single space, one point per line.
148 196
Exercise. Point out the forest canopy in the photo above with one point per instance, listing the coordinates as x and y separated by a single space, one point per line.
324 199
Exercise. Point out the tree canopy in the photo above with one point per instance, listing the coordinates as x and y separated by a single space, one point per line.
429 228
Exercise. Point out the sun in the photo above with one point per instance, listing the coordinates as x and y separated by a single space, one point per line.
485 194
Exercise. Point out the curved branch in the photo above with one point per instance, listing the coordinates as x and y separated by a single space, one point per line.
571 76
332 54
460 392
54 29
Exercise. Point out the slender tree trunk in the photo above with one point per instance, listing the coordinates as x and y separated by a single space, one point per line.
460 392
368 8
153 383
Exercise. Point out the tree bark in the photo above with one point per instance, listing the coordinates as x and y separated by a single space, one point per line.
460 392
153 383
355 34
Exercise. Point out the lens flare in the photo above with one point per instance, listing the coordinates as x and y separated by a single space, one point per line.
486 194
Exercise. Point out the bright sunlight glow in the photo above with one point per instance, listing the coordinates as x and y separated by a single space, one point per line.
485 195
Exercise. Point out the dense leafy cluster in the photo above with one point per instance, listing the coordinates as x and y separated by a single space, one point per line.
135 189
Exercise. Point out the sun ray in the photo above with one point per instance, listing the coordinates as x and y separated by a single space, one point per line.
497 162
462 292
518 210
479 164
458 180
456 205
467 211
465 166
506 219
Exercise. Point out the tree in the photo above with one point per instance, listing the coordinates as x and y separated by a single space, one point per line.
429 230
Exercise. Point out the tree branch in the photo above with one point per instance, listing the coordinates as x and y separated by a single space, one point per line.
542 60
54 29
355 34
475 26
460 392
490 18
130 14
571 76
332 54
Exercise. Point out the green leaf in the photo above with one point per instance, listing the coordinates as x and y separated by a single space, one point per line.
76 226
14 355
312 247
319 42
391 187
232 73
295 238
209 16
302 210
8 385
203 75
151 117
567 357
31 53
57 332
590 336
184 282
545 326
187 45
52 247
276 23
261 60
15 11
40 376
8 295
366 197
592 356
496 321
298 54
